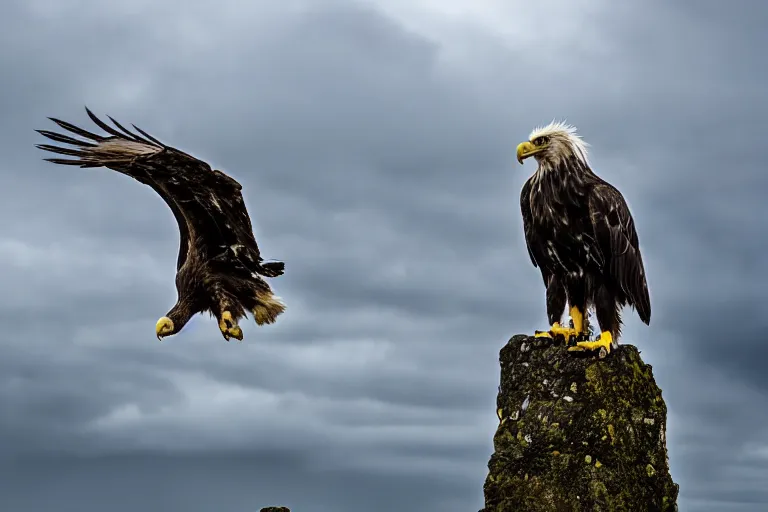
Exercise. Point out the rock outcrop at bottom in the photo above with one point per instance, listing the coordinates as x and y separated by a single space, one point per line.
275 509
578 433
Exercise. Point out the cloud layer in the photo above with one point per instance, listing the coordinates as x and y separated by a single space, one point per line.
375 142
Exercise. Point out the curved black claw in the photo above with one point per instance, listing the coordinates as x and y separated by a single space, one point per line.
573 339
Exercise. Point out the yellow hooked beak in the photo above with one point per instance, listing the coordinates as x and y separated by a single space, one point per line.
164 327
527 148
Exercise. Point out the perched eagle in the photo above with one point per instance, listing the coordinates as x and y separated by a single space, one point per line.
219 267
581 235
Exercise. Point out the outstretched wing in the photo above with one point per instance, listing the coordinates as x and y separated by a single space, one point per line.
530 235
617 238
120 152
208 205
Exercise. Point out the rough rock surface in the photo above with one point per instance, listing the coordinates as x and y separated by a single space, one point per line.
578 433
275 509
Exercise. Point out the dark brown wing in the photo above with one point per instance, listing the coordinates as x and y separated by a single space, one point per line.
616 235
119 151
208 205
213 205
531 240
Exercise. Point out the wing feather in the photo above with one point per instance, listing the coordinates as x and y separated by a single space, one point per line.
208 205
617 237
119 153
79 131
528 229
214 206
148 136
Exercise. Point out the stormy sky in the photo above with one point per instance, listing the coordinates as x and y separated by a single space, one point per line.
375 141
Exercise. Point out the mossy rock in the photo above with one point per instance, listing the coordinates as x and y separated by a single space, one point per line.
578 433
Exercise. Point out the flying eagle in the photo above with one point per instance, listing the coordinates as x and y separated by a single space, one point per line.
219 268
582 237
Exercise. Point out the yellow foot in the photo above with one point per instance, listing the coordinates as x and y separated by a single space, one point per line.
602 344
229 328
557 330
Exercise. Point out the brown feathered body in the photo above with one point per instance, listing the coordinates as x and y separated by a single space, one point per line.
219 266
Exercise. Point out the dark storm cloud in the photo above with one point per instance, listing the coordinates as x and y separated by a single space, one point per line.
377 161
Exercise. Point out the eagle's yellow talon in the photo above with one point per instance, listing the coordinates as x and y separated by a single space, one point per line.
236 333
557 330
605 341
229 328
226 321
566 332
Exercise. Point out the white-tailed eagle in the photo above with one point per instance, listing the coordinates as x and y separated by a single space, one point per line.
219 267
581 235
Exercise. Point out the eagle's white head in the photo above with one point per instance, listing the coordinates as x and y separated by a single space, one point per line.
552 144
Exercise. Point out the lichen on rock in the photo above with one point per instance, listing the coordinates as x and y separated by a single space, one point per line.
578 433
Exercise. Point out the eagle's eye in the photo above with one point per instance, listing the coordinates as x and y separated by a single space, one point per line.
538 141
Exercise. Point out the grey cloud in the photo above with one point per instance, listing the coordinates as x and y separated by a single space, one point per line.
241 481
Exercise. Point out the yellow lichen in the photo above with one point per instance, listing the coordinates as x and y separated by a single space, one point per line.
588 459
593 376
